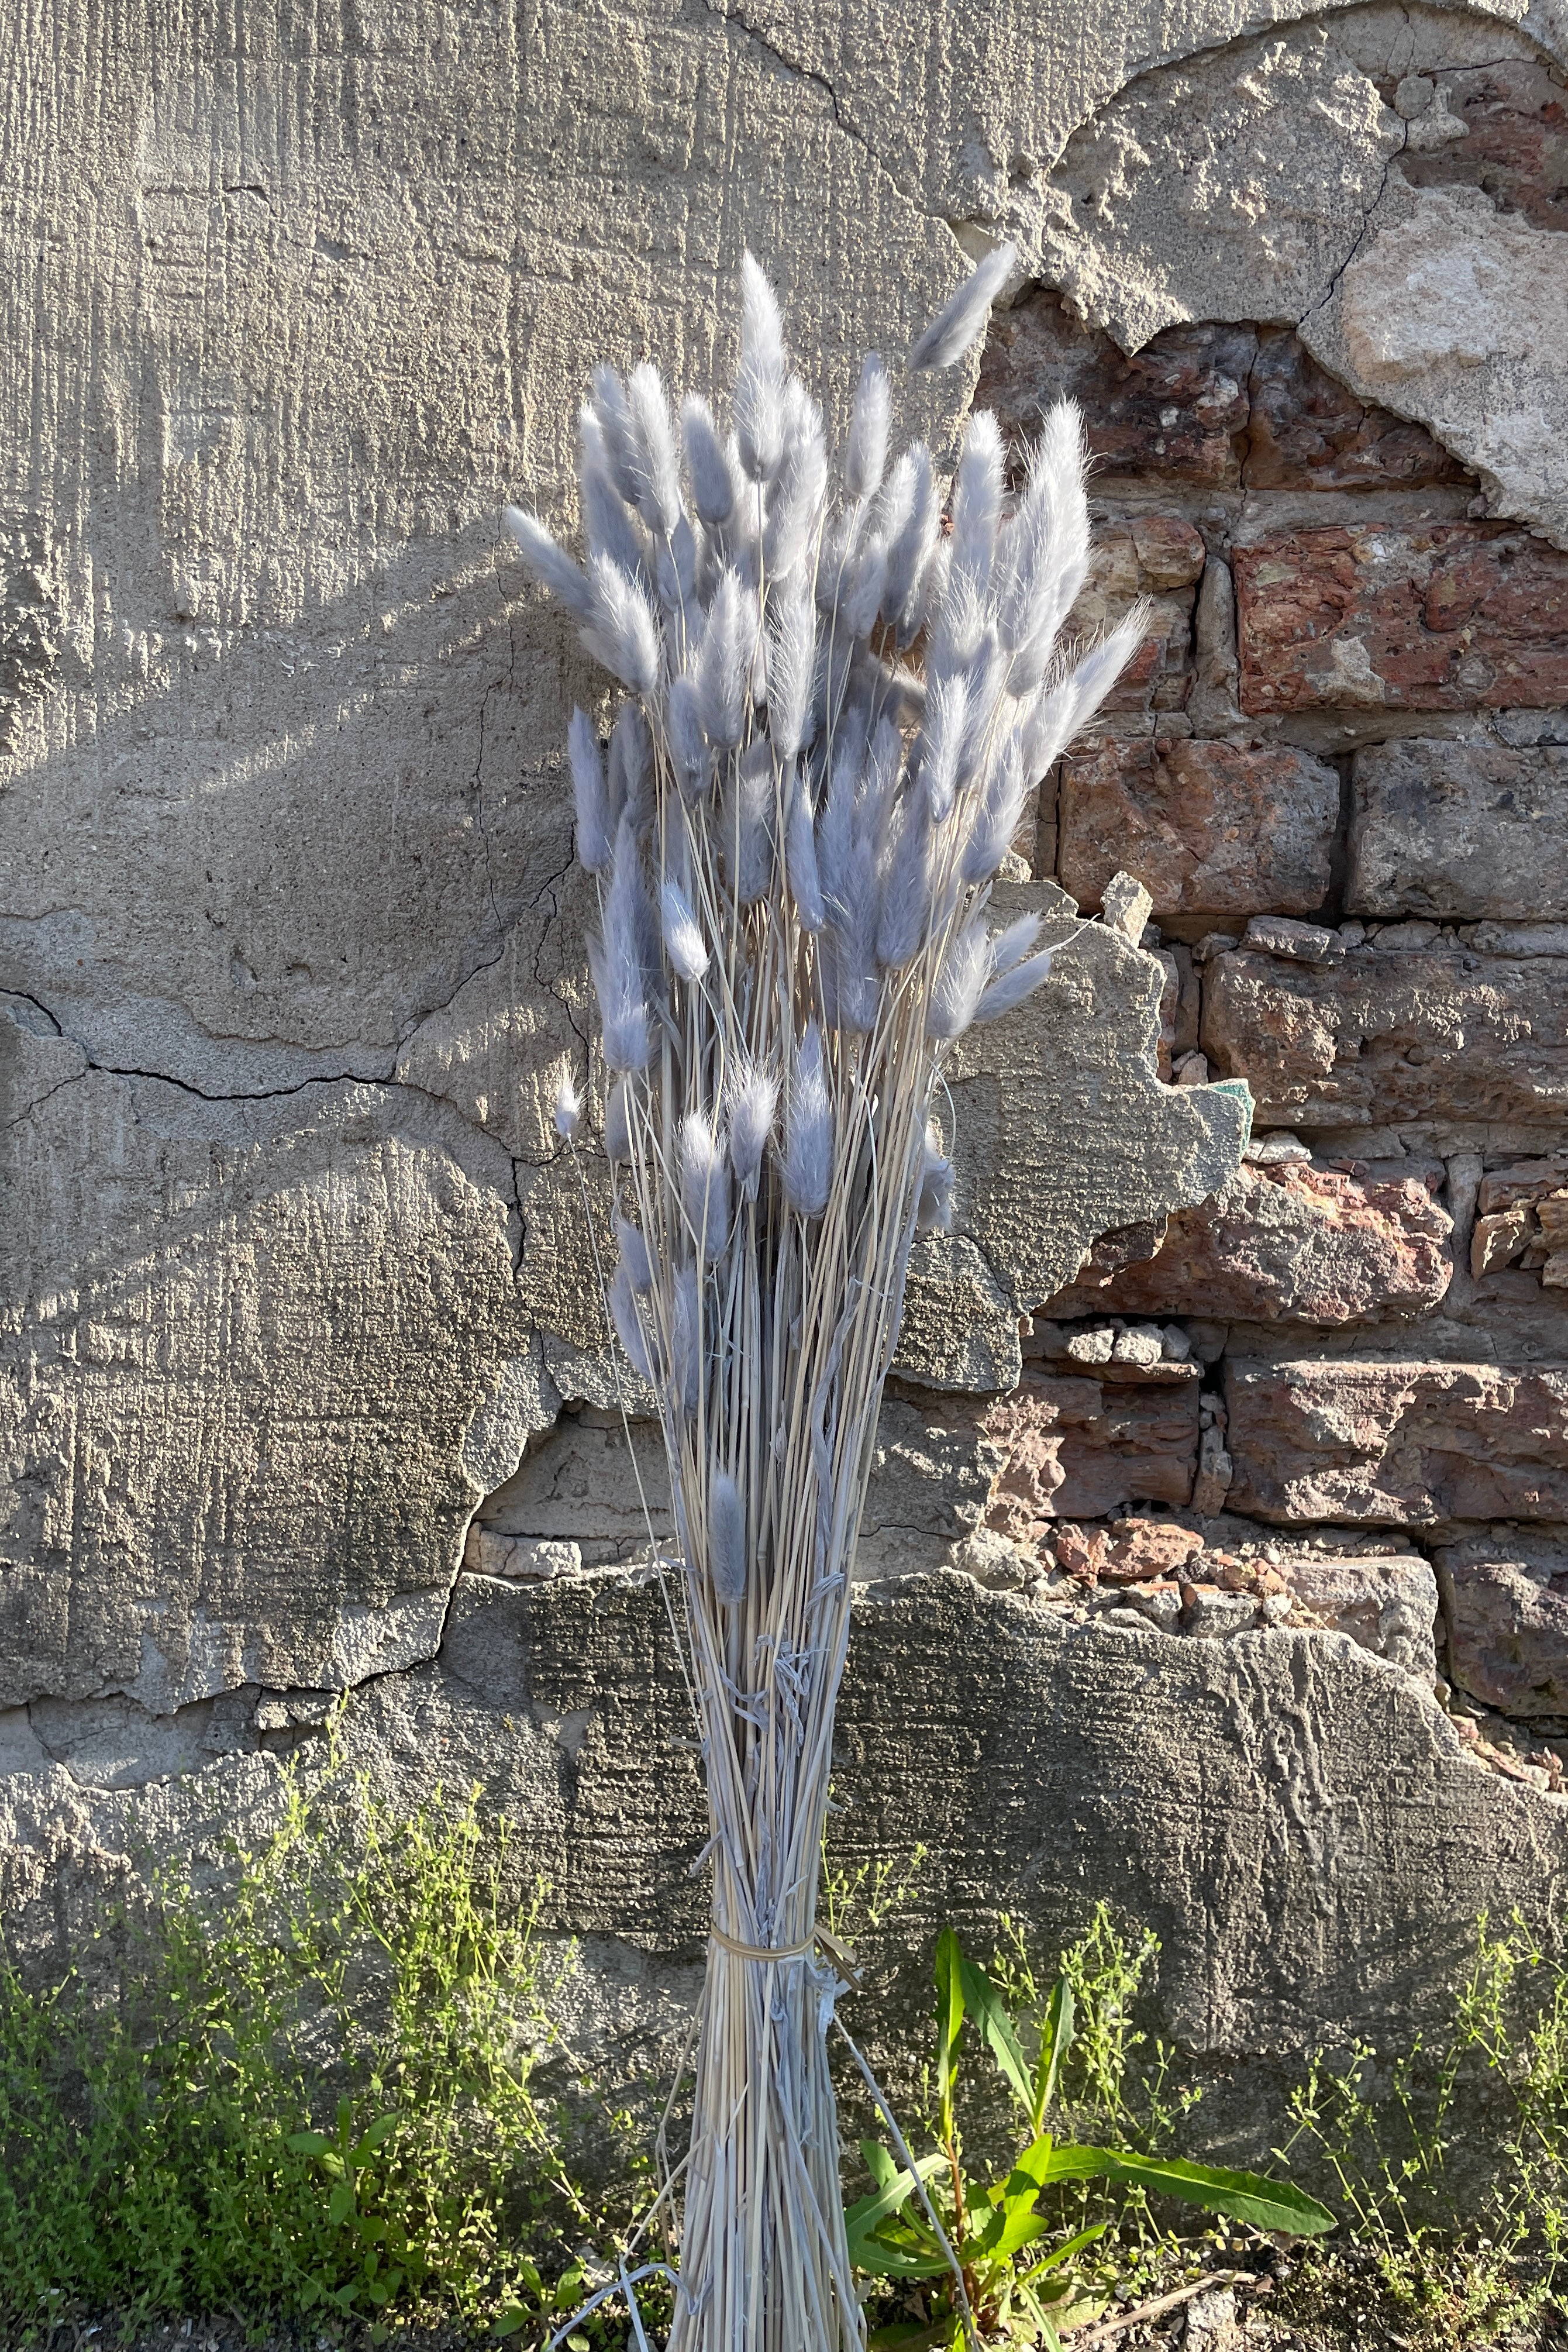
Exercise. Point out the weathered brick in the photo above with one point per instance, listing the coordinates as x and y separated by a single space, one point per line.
1290 1241
1443 616
1507 1596
1390 1035
1078 1448
1398 1444
1516 138
1208 828
1308 432
1460 829
1175 407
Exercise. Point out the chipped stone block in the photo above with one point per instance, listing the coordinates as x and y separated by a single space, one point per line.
1307 432
1441 616
1282 935
1498 1241
1505 1592
1126 906
518 1556
1174 407
1078 1448
1209 1612
1524 1183
1209 828
1397 1443
1392 1034
1389 1605
1458 831
1285 1241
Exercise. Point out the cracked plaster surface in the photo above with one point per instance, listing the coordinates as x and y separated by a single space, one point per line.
290 936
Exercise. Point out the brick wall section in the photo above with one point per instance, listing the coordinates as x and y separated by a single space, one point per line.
1341 770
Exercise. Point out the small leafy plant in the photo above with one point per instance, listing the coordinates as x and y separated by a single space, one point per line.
320 2090
973 2248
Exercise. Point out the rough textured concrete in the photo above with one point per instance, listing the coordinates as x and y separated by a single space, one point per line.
1340 1837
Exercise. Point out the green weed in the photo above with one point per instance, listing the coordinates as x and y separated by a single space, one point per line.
321 2094
1475 2124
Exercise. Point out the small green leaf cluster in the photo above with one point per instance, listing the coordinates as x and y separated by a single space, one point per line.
1471 2121
975 2248
319 2091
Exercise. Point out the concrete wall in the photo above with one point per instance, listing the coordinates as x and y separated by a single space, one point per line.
301 1371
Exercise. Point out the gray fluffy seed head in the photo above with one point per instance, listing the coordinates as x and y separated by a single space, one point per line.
800 857
628 1325
724 662
760 380
631 768
688 744
913 527
608 523
707 467
615 414
595 845
998 818
941 742
686 1340
791 652
753 1098
1010 945
683 941
657 467
977 501
1011 986
906 888
959 984
625 633
750 824
865 456
617 962
704 1186
568 1109
808 1130
961 320
551 565
638 1256
933 1202
862 598
726 1539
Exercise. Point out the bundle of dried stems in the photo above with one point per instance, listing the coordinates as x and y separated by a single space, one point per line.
795 834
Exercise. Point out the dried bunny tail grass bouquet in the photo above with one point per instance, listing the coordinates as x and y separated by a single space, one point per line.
795 835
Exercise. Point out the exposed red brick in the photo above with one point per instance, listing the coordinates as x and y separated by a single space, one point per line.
1308 432
1312 1245
1516 142
1077 1449
1208 828
1444 617
1175 407
1398 1444
1393 1034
